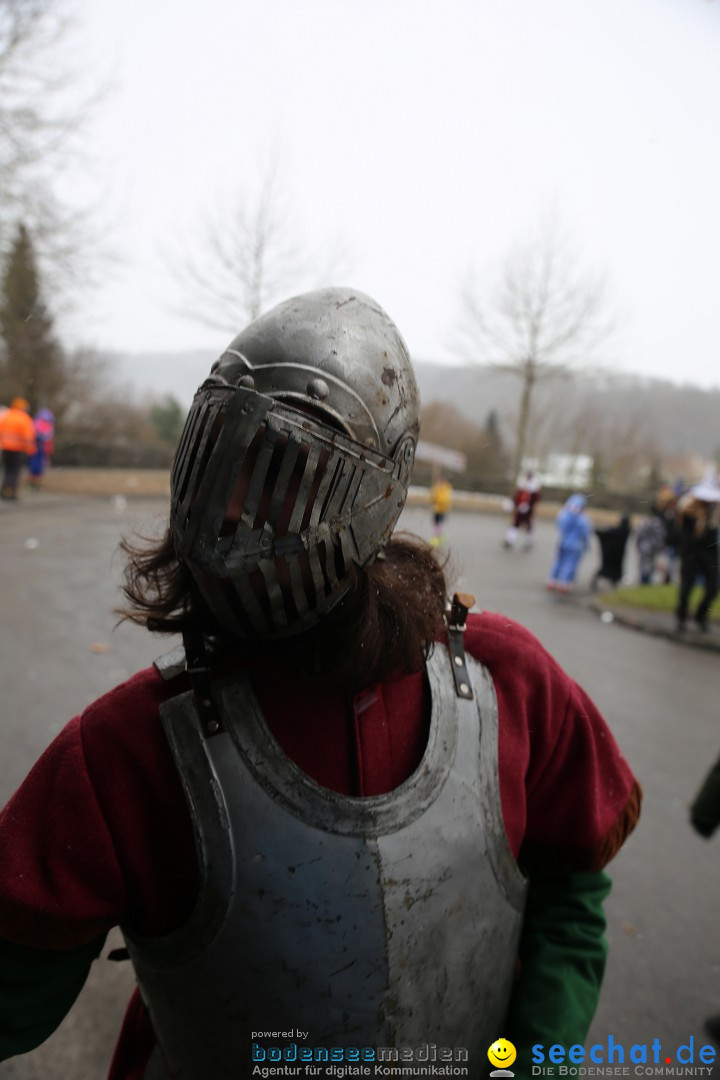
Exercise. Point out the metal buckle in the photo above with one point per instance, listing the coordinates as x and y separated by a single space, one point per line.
456 615
199 671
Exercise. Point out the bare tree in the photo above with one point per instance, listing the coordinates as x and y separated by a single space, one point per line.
543 316
42 111
443 424
624 449
31 134
246 258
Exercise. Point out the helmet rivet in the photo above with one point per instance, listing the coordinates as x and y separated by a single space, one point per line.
247 381
318 389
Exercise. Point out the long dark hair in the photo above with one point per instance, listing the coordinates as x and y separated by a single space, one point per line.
386 623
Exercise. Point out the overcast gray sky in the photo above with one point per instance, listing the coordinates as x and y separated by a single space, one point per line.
423 138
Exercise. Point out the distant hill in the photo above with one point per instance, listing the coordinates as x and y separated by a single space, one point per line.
155 374
680 419
683 419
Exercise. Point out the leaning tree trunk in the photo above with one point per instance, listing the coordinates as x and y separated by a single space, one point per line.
528 374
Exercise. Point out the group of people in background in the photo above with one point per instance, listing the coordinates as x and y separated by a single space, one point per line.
681 529
24 441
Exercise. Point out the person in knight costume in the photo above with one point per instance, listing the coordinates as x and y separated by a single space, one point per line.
347 814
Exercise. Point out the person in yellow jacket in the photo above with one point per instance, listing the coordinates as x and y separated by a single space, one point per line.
441 501
17 441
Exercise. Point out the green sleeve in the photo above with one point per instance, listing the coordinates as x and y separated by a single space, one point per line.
37 990
562 962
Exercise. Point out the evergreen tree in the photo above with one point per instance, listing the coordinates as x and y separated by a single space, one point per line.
492 431
32 363
168 419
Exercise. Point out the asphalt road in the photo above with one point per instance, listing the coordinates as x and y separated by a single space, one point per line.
61 649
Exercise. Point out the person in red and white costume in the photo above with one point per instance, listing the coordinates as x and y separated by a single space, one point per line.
527 495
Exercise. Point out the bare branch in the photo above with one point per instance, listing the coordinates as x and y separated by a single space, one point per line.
543 316
245 258
41 117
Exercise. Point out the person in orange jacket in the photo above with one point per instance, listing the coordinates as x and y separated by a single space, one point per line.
17 441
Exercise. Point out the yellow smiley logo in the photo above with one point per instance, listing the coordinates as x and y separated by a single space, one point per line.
502 1053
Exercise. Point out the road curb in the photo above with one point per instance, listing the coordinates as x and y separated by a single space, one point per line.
636 620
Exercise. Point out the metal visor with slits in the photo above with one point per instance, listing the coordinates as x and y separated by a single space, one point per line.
271 507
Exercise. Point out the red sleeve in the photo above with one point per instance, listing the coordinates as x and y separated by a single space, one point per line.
140 795
568 795
99 833
60 885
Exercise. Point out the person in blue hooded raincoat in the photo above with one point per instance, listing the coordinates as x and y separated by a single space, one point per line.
575 530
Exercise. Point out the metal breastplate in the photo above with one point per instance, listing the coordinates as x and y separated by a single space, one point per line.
390 921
